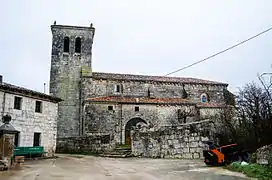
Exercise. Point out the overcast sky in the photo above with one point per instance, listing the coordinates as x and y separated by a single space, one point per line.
152 37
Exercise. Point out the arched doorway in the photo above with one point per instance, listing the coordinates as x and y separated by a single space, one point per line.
130 124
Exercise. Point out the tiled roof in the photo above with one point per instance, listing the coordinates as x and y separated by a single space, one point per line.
134 77
27 92
140 100
211 105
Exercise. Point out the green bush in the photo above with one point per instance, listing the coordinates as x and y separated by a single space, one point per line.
252 170
253 158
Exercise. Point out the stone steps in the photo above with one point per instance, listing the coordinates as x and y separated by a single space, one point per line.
116 156
123 149
118 153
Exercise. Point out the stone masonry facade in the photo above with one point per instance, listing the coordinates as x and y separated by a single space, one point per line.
186 141
65 76
110 104
27 118
86 144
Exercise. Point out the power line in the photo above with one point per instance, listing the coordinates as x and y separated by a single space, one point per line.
242 42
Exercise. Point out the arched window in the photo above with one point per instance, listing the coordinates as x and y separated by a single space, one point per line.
204 98
66 44
78 45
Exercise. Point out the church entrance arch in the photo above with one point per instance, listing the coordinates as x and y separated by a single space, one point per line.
131 124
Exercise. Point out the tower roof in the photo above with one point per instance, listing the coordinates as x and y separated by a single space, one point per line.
88 28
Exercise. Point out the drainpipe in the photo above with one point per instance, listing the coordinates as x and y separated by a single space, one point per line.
80 103
121 116
3 110
121 124
3 104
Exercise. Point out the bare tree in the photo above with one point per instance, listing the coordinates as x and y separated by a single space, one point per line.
250 121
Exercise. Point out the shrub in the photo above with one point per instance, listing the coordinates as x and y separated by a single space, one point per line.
252 170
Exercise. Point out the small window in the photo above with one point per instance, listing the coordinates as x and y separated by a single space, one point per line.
137 108
117 88
66 44
17 103
37 139
78 45
38 107
16 139
204 98
110 108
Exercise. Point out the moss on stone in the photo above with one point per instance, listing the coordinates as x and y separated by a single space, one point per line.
85 71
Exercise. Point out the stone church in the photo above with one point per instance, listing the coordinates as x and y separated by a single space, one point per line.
109 104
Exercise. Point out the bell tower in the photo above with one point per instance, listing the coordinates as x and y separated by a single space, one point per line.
71 55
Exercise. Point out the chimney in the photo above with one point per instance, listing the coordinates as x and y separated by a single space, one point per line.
1 79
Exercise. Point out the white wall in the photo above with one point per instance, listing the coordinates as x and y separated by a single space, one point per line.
27 121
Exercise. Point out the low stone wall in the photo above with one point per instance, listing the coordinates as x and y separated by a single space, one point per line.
185 141
87 144
264 155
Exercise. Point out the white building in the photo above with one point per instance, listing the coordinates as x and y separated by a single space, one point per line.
34 115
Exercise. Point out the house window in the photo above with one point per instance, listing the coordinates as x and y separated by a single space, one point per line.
204 98
16 139
38 107
137 108
17 103
78 45
66 44
110 108
37 139
117 88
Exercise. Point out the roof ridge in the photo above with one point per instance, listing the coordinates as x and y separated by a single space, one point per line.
142 77
130 74
7 86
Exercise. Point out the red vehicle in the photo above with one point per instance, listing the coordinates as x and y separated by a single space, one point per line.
221 155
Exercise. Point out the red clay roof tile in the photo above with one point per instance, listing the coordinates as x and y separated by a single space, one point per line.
140 100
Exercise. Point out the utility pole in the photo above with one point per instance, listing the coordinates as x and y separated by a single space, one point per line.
266 80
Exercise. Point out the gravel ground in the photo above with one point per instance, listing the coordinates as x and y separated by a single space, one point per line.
76 167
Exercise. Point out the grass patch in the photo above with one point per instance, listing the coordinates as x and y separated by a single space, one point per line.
123 146
252 170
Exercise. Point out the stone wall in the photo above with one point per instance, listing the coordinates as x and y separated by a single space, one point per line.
27 121
95 88
92 143
172 142
264 155
98 119
206 113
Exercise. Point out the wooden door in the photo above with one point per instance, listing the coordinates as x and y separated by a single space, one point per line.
128 138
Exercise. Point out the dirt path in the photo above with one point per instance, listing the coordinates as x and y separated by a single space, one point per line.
70 167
